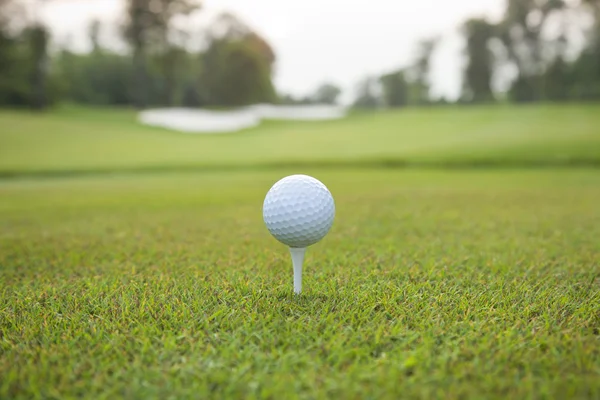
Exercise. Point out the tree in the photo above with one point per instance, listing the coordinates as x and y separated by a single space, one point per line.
172 54
11 83
99 78
521 33
594 39
556 83
14 65
289 99
395 89
366 94
236 74
237 66
151 22
139 22
172 62
39 37
421 69
94 34
585 73
327 93
24 62
477 85
586 69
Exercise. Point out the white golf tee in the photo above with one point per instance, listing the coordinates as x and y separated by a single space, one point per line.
297 261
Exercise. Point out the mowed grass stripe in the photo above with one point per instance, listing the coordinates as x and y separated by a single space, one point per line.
74 140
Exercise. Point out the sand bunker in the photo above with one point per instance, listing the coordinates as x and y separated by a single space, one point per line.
190 120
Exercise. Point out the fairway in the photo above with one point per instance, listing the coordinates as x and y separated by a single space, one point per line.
74 140
480 284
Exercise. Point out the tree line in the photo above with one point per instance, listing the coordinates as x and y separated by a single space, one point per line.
233 68
530 48
532 42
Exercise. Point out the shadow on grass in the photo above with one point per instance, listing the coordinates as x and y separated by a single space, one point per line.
375 163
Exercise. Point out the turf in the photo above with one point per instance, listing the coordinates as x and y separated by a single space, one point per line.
74 140
472 284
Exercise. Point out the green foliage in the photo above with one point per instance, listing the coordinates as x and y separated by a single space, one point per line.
327 93
235 73
234 70
419 72
26 79
98 78
430 284
538 77
395 89
587 66
39 37
14 85
524 90
480 61
237 66
402 87
148 30
543 72
586 70
557 81
367 96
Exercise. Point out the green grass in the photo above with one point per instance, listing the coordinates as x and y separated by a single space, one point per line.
471 284
433 283
72 140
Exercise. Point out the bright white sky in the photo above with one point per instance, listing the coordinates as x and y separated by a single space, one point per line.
323 40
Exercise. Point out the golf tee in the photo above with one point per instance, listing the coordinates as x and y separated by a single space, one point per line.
297 261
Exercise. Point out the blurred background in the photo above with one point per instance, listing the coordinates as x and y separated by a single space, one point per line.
408 82
368 54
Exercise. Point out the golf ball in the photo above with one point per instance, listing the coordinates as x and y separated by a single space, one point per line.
298 211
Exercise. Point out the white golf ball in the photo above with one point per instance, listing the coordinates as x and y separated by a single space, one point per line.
298 211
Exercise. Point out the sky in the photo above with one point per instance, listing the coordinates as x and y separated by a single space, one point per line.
317 41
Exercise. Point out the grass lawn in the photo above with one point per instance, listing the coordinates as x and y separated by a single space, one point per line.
75 139
478 284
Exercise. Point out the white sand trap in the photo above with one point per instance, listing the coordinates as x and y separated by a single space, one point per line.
190 120
299 113
197 121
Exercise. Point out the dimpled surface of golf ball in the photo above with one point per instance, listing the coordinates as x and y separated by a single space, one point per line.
298 210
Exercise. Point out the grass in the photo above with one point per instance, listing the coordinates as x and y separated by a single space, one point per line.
438 282
75 140
471 284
